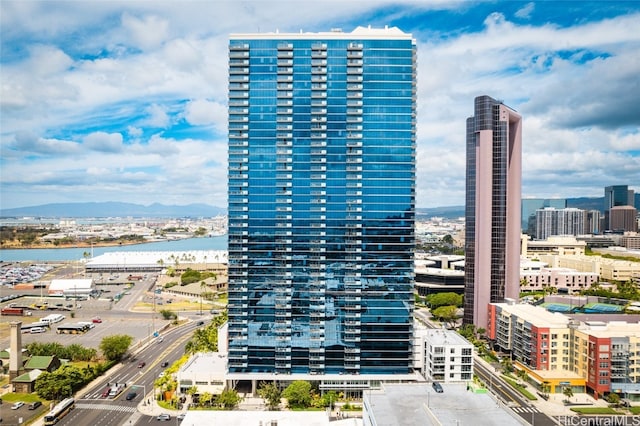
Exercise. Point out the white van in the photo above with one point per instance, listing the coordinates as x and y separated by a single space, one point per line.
35 330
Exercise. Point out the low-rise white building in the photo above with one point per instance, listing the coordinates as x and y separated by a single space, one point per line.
71 287
206 371
443 355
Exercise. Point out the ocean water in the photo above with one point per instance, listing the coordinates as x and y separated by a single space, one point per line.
67 254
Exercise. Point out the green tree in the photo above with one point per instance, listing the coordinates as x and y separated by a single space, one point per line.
205 339
444 299
613 398
298 394
447 239
229 399
446 313
168 314
568 392
523 375
329 399
116 346
507 365
271 394
205 399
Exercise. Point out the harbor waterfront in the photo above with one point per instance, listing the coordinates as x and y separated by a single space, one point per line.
71 254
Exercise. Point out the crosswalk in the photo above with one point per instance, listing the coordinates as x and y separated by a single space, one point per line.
110 407
527 409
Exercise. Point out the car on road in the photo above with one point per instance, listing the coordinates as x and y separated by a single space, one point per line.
141 364
96 320
17 405
437 387
163 417
180 416
200 322
164 364
131 395
105 393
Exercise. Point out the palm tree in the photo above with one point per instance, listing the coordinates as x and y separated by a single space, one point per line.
203 286
568 392
522 374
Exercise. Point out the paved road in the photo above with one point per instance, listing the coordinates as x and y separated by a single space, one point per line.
510 397
94 410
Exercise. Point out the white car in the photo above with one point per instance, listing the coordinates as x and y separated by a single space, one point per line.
17 405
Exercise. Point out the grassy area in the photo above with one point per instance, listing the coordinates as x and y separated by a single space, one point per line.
521 389
595 410
11 397
635 410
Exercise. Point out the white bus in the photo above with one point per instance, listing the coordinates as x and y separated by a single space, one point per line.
53 318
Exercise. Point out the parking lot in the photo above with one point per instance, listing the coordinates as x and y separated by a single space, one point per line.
117 314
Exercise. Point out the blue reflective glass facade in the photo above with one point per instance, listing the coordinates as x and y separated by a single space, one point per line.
321 203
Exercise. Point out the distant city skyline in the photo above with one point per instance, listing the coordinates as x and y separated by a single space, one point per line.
114 101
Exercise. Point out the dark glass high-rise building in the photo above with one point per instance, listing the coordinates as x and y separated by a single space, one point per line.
614 196
492 209
322 144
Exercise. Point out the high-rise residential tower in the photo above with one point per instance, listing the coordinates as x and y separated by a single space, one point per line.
492 211
322 139
529 207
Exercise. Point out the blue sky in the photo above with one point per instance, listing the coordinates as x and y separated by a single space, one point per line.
126 101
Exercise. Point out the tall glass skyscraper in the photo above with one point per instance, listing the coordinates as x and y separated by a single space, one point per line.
322 142
492 209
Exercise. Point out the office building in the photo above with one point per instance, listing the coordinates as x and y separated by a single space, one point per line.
322 140
529 207
616 195
623 219
492 211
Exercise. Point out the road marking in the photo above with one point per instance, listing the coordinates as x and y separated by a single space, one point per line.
121 408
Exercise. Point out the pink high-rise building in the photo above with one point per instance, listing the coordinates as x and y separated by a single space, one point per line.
493 195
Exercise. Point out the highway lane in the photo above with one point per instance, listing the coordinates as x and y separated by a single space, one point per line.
510 397
94 410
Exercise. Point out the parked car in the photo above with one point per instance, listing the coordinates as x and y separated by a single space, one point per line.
163 417
437 387
17 405
34 405
180 416
141 364
131 395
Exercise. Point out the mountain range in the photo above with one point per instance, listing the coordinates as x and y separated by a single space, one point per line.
113 209
117 209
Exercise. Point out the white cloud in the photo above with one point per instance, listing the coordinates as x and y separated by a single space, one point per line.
97 88
526 11
103 142
147 32
156 116
201 112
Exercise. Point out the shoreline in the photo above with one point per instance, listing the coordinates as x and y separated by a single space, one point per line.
80 245
70 246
